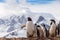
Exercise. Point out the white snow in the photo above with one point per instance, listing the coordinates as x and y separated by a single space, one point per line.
21 34
2 34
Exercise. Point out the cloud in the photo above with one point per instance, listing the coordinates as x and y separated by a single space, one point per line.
49 8
11 7
2 10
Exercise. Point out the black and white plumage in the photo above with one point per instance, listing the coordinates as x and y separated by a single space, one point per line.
29 26
44 30
58 28
52 30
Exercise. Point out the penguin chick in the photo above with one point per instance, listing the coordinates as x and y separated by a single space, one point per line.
52 29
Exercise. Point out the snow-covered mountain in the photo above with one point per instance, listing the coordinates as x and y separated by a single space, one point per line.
14 22
40 19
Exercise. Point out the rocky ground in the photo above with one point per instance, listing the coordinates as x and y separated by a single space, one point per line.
52 38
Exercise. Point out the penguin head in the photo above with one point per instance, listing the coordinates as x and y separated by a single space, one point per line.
52 21
29 19
35 24
43 25
38 25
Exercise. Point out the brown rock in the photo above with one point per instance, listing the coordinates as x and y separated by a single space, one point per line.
18 38
25 38
2 38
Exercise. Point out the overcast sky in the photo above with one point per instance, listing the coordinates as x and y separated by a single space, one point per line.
9 7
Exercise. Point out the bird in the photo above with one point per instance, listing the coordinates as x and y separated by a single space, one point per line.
44 30
52 29
58 28
37 28
29 27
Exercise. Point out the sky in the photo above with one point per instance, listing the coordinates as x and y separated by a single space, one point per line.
9 7
2 0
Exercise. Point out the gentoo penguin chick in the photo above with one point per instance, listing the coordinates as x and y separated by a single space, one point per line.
44 30
39 32
58 28
30 27
52 29
37 28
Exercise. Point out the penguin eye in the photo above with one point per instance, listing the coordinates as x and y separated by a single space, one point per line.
51 23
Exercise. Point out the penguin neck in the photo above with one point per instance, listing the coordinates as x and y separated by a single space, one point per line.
29 22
